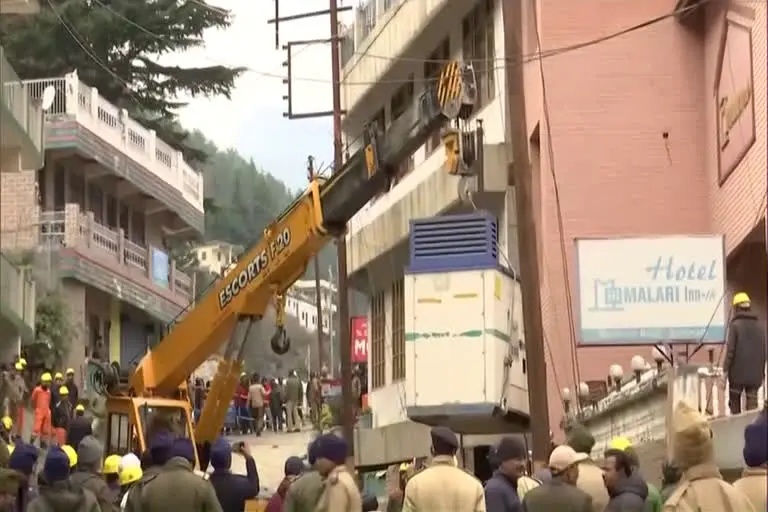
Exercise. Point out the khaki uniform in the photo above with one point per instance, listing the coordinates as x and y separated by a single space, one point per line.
340 493
591 482
304 493
176 487
443 486
702 488
754 485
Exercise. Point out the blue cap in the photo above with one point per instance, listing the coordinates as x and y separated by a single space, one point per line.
56 466
183 447
221 454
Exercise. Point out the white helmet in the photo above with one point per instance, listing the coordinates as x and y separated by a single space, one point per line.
129 460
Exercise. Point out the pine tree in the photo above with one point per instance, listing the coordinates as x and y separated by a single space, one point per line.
115 45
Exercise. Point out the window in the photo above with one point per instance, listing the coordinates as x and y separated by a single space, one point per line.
125 219
59 187
378 341
398 331
77 189
137 232
479 47
111 212
402 100
96 202
432 67
203 255
118 434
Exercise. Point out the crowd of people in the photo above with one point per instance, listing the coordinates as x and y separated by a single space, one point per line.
574 482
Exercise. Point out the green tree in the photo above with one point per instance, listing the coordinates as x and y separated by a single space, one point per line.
116 46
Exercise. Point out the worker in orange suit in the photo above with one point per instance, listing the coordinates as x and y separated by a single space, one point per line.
41 403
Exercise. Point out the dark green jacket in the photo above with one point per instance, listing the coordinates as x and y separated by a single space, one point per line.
557 496
98 486
177 488
304 493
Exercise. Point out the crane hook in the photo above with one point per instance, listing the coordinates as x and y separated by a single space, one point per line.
280 341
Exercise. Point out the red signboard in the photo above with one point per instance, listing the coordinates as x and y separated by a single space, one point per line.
359 342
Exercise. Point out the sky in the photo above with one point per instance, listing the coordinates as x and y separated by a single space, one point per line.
252 120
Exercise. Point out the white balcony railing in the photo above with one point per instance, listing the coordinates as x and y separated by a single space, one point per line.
83 103
78 230
21 105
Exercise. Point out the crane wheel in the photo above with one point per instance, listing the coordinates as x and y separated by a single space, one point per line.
280 342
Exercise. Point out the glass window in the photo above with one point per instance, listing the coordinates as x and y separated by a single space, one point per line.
96 202
168 418
118 434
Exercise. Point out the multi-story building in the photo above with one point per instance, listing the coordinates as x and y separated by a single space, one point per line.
21 148
657 131
217 257
100 215
302 304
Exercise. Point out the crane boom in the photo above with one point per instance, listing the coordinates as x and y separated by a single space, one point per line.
276 261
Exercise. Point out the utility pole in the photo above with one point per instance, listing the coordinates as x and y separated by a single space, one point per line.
347 406
520 178
318 295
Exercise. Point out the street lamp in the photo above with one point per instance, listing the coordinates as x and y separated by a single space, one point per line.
567 400
658 357
638 367
616 372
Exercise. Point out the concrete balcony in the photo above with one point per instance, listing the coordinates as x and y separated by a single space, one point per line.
390 28
17 306
427 191
103 258
19 6
21 123
82 121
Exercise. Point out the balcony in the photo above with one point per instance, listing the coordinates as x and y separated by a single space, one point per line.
105 259
82 120
390 28
19 6
21 118
17 304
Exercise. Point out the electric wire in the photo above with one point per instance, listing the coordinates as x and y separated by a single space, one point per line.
575 368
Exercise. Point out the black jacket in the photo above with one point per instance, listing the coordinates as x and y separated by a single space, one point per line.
61 414
233 490
79 427
629 495
746 353
501 494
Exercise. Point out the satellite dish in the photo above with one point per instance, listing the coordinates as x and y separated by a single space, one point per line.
49 94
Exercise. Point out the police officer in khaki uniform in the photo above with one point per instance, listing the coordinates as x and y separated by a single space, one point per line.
702 488
340 492
443 486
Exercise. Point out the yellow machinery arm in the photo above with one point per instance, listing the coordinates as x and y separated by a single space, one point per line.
262 276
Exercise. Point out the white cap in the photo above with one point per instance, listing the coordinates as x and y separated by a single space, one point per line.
563 457
129 460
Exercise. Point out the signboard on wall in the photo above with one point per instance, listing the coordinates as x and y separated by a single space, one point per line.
359 342
636 291
735 108
160 267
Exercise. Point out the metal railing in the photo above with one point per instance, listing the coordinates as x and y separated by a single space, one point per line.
72 228
17 291
111 123
16 98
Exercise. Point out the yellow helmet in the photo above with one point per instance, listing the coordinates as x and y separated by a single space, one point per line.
111 465
11 447
58 375
70 371
18 366
79 408
620 443
741 298
46 377
23 362
7 422
64 391
526 484
71 455
130 475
